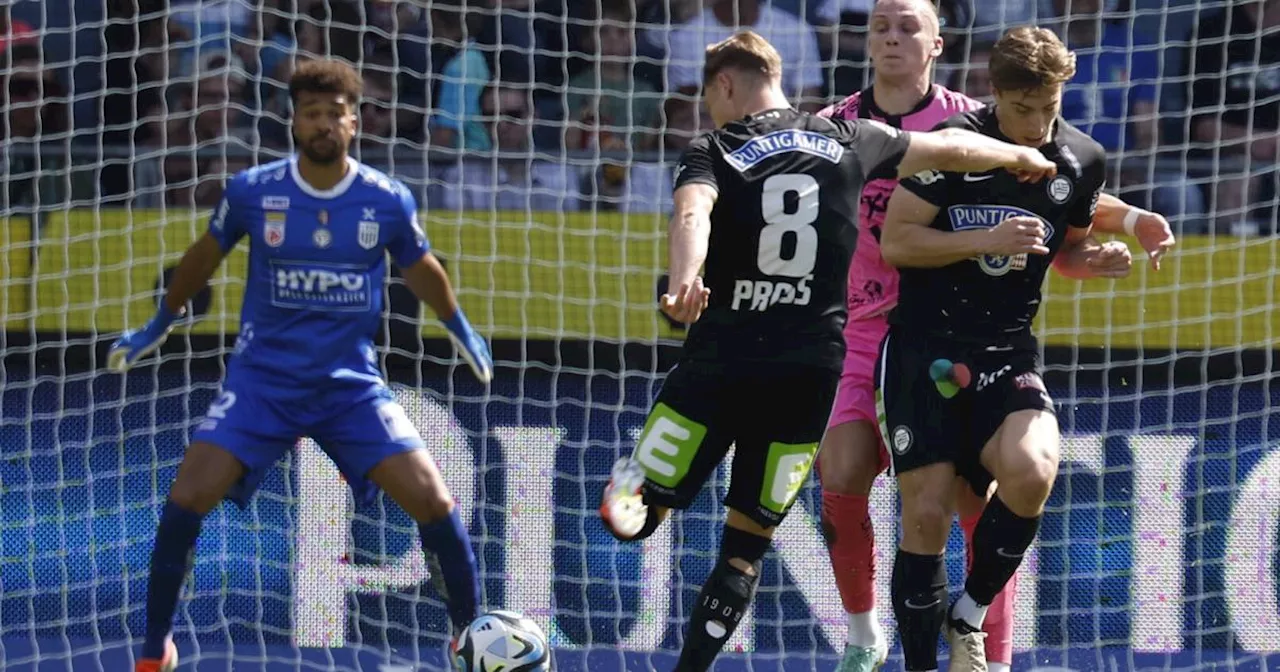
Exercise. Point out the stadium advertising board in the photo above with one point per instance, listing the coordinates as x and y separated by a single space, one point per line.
1158 548
565 276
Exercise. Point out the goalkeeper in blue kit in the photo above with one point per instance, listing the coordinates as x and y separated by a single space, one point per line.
320 225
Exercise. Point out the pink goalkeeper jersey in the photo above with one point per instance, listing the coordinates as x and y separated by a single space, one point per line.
873 284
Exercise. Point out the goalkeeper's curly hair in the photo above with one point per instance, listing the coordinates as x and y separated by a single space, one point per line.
1028 58
326 76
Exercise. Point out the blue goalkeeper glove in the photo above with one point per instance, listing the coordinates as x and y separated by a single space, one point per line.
139 343
470 345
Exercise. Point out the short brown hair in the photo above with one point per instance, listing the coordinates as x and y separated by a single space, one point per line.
326 76
744 51
1028 58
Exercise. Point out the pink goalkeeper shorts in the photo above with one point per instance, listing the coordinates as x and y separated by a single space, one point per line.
856 396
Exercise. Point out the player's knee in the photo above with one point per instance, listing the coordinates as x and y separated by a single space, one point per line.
430 506
743 550
849 460
195 497
926 522
1027 489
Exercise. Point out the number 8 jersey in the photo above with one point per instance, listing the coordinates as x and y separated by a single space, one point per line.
783 230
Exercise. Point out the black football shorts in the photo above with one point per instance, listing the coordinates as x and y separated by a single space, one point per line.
940 400
773 414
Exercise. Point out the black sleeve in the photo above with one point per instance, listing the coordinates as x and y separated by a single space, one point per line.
930 185
1094 169
878 147
934 185
697 164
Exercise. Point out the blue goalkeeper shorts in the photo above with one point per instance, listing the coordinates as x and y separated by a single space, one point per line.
356 425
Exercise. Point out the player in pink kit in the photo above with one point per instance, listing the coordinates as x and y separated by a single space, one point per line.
903 42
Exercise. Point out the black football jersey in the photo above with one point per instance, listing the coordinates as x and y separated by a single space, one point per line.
992 299
783 230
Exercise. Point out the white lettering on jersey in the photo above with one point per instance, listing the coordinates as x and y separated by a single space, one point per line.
220 217
964 217
320 286
985 379
275 202
759 148
760 294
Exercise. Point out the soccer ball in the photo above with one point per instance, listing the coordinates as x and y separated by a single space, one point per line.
502 641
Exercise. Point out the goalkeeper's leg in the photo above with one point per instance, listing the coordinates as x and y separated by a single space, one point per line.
206 475
998 625
851 457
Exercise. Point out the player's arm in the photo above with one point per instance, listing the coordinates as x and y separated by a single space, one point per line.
688 236
426 278
428 281
689 233
193 272
1151 229
1082 256
908 241
884 151
198 263
958 150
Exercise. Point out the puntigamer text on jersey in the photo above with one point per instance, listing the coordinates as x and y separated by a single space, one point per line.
787 140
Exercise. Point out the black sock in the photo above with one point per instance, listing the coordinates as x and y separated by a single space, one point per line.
170 563
999 542
920 605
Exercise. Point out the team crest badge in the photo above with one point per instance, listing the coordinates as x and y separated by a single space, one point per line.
1060 189
368 235
273 233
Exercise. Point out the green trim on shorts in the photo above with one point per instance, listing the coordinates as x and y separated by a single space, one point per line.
882 418
667 445
786 468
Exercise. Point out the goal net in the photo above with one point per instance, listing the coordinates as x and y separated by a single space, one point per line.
538 137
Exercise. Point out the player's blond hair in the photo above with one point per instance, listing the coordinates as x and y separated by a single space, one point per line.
928 8
745 52
1028 58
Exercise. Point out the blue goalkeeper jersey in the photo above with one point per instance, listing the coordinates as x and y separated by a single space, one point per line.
317 264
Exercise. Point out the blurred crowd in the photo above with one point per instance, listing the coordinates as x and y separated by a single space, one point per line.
563 105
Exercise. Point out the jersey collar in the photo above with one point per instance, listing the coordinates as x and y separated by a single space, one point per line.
992 127
762 113
867 106
353 170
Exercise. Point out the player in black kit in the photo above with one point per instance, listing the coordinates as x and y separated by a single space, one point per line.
957 383
769 201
